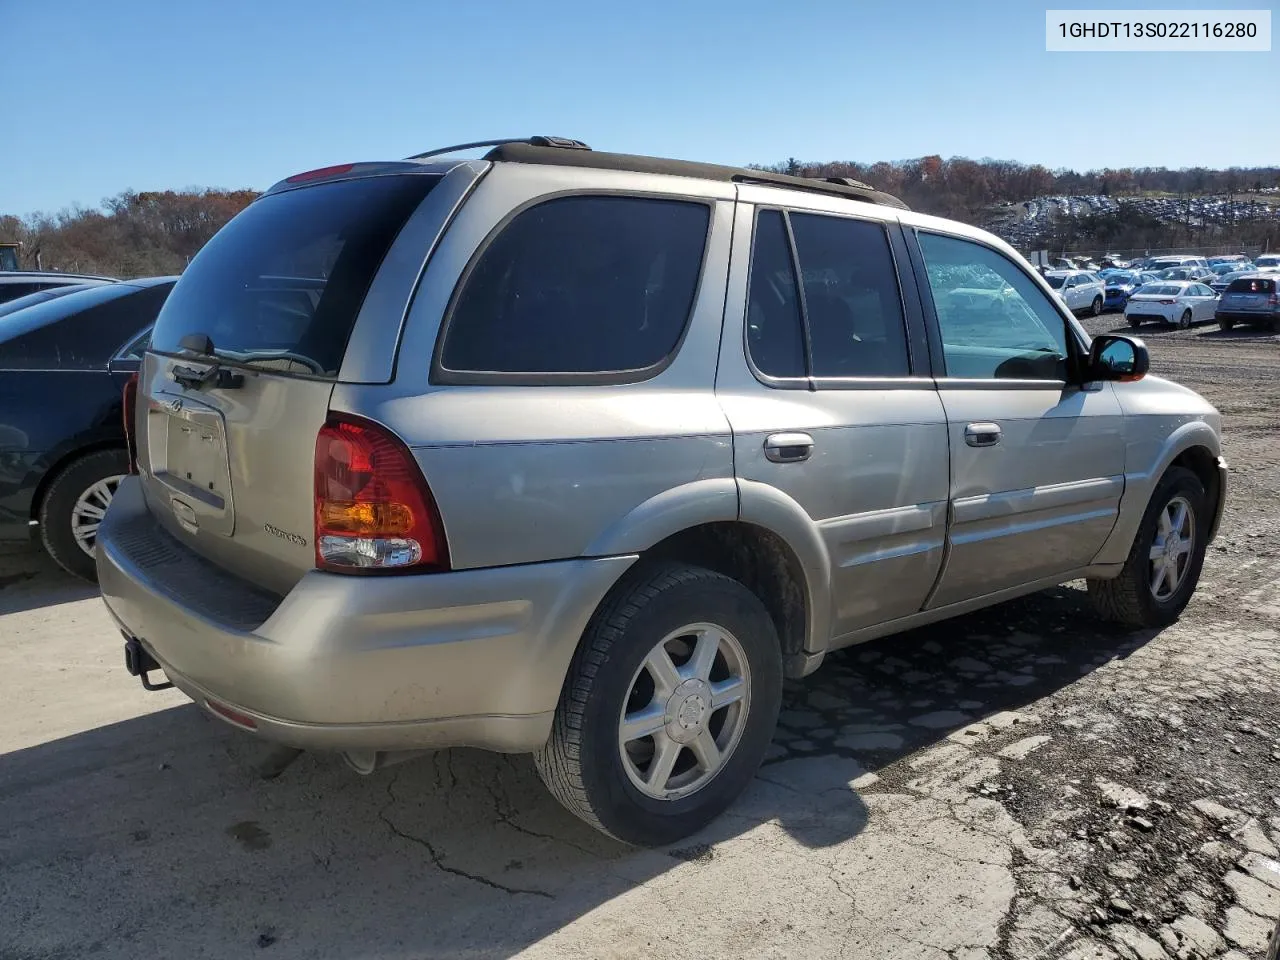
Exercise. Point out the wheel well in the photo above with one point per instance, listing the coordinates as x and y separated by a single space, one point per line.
1205 466
61 464
755 557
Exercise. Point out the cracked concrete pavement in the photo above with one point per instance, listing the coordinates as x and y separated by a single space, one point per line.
1023 782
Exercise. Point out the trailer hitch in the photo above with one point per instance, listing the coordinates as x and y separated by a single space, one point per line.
139 663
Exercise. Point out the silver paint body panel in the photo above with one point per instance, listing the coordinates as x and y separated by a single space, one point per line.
550 493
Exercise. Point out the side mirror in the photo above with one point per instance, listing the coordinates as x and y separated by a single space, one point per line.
1118 358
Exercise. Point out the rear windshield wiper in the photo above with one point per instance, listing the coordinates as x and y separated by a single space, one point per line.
193 378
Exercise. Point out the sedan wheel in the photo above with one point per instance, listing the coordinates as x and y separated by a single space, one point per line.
1097 306
90 507
1184 321
74 506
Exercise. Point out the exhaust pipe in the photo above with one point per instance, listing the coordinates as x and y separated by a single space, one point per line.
365 762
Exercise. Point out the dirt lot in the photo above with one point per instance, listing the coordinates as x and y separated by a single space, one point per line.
1024 782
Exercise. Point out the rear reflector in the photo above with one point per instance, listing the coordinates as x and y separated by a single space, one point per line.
232 715
373 510
319 173
130 428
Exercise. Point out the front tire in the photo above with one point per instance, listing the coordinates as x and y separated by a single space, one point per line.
669 705
1163 567
74 505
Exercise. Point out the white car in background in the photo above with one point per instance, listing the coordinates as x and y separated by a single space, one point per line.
1180 302
1267 263
1080 290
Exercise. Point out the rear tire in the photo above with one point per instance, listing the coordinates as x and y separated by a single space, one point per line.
1130 598
1134 322
600 766
1184 321
75 500
1097 306
1225 324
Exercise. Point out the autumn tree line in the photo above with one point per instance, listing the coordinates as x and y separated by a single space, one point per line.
157 232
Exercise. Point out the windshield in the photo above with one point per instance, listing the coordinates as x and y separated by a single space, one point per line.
1158 290
1120 279
280 286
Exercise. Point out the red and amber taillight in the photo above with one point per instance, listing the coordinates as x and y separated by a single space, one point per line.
373 509
130 427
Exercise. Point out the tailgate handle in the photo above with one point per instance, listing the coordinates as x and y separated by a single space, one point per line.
788 447
191 378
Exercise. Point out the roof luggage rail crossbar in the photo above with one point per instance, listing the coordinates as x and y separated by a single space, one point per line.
563 142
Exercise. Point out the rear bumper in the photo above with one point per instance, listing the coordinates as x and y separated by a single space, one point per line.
1148 314
1249 316
472 658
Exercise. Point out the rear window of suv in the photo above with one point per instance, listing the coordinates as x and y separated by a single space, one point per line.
580 286
1252 285
280 286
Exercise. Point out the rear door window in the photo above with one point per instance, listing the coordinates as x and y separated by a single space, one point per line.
595 286
852 304
280 286
775 337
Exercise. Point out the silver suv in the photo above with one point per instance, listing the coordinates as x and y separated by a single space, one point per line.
581 454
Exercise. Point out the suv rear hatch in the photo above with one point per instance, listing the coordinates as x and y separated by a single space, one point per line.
1248 294
236 386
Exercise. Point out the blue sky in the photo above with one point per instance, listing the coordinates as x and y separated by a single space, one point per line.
97 97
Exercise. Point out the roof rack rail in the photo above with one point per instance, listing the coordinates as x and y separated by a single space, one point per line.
848 182
529 151
565 143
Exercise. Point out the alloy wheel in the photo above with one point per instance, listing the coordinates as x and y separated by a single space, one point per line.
686 709
90 507
1171 550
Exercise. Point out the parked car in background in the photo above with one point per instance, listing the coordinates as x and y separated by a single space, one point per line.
1081 291
1230 266
621 481
1179 302
1267 262
1223 280
1252 299
63 366
1164 263
22 282
1197 274
1238 258
1120 285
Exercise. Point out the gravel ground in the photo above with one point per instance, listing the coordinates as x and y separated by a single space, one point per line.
1026 782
